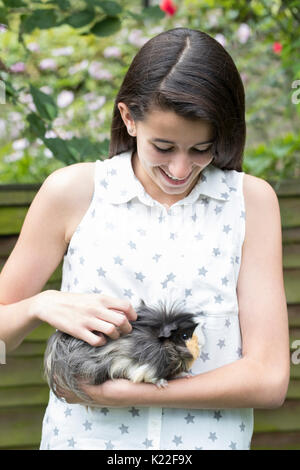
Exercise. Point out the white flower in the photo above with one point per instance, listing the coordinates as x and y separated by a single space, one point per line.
243 33
97 103
60 122
101 117
20 144
46 89
78 67
112 51
14 156
33 47
25 98
32 107
213 17
48 64
63 51
244 77
136 39
67 135
2 128
96 71
48 153
17 117
50 134
156 30
221 39
89 96
65 98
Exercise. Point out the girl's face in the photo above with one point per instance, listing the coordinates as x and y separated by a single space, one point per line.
171 153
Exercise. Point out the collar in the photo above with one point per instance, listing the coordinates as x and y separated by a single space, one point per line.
121 185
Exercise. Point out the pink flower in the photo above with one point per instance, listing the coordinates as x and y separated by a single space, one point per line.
18 67
168 7
277 47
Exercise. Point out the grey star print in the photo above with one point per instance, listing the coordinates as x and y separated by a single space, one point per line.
129 247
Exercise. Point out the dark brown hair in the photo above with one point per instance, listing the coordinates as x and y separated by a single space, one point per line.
186 71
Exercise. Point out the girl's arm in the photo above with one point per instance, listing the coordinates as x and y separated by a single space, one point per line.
38 251
61 201
260 379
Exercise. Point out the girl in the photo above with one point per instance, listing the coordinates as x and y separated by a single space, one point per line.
169 215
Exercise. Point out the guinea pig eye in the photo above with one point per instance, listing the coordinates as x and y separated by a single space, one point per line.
184 336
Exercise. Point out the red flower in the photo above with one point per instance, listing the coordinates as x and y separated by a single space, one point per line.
277 47
168 7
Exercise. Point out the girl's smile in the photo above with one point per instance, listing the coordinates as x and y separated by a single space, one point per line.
171 153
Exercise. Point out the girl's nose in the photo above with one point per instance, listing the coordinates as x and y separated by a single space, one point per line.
180 167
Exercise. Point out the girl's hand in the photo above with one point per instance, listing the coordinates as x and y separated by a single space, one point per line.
85 316
112 393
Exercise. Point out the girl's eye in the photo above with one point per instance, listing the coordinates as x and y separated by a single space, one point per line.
168 150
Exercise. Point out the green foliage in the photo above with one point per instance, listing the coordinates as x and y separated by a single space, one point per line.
61 76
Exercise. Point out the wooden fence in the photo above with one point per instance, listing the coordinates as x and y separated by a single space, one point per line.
24 393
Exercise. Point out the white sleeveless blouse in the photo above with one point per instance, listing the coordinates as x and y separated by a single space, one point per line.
130 246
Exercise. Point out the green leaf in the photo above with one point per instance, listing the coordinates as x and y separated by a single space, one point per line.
77 149
36 124
60 150
106 27
14 3
110 8
3 17
63 4
82 149
44 103
42 19
154 13
80 18
135 16
9 89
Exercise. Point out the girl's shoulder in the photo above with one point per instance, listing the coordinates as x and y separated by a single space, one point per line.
76 183
255 189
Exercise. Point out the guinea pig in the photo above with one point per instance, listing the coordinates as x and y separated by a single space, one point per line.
161 345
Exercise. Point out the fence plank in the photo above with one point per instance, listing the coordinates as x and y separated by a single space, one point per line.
22 427
24 392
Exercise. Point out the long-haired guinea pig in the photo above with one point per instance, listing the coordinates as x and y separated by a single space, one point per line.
161 345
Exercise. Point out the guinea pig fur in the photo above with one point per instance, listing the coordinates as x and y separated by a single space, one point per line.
161 345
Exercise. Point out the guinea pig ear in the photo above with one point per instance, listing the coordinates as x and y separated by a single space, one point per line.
166 330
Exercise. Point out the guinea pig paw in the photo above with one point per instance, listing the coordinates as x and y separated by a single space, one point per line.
161 383
188 375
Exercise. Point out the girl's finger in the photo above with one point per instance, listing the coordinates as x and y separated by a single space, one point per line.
118 319
120 305
98 325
